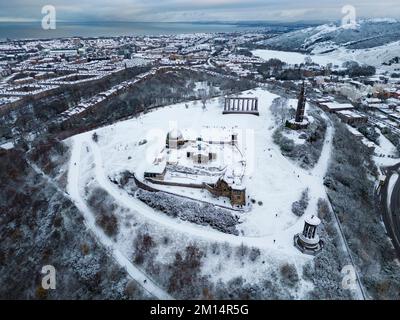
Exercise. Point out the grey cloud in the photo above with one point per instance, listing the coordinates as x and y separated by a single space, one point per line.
183 10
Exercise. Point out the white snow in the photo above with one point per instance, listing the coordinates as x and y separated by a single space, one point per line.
372 56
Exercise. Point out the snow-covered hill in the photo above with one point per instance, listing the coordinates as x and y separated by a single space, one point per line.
327 37
374 42
385 57
268 227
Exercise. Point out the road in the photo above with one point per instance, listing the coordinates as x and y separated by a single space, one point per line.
388 197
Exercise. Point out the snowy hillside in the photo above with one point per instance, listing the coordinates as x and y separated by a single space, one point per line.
293 58
385 57
371 42
366 34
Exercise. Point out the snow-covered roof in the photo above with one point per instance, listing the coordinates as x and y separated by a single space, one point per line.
156 167
210 134
175 134
7 146
337 105
373 100
313 220
233 176
199 148
349 113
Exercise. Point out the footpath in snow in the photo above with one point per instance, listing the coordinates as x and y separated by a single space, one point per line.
75 192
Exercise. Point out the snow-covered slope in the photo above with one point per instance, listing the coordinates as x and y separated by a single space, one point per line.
323 38
386 57
372 42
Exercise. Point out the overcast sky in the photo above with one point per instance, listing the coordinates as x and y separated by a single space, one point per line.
195 10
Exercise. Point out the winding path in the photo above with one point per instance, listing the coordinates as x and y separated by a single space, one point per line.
74 191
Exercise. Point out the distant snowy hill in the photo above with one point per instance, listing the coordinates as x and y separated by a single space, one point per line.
323 38
385 57
375 42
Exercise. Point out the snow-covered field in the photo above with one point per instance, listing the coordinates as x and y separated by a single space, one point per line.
297 58
377 42
272 180
371 56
